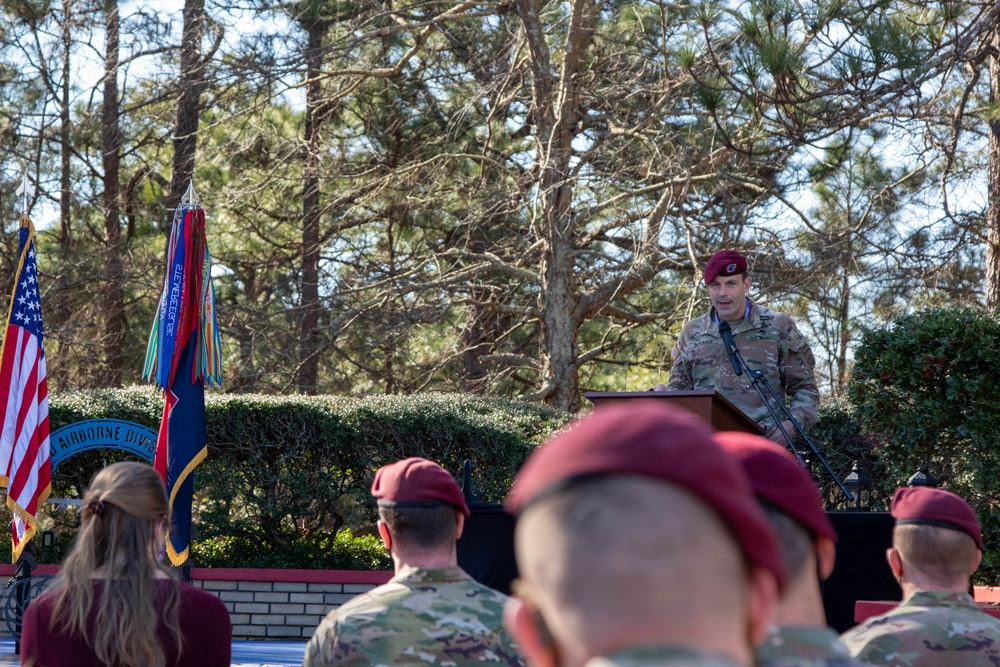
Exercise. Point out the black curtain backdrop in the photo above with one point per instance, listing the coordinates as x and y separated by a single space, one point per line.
861 572
486 551
486 548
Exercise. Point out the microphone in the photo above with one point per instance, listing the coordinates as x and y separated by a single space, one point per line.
726 332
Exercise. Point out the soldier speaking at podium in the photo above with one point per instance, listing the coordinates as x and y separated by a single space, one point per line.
768 341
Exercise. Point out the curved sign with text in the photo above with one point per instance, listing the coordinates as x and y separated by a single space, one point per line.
102 434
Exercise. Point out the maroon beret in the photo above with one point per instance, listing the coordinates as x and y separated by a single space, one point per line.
934 507
416 482
651 439
778 479
724 263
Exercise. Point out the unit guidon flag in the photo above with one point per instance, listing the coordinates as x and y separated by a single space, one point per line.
183 354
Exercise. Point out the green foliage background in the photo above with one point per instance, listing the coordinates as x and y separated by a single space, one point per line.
924 391
422 137
287 480
843 442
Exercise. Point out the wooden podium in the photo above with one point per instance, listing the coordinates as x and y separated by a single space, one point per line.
711 406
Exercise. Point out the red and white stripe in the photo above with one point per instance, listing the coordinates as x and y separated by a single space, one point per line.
24 440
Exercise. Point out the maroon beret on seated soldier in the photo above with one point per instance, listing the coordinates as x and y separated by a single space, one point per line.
417 482
779 480
650 439
724 263
935 507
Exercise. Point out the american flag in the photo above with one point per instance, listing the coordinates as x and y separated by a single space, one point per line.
24 400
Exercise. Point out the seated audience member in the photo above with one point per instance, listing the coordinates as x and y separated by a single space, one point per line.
800 636
431 612
639 542
114 603
936 547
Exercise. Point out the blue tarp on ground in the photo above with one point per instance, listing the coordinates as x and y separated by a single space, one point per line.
246 653
267 653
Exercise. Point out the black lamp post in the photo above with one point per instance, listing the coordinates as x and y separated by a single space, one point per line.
923 477
48 538
860 486
470 495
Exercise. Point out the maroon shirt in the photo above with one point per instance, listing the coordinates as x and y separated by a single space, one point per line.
204 625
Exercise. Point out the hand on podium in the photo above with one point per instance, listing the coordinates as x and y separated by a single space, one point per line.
775 433
659 387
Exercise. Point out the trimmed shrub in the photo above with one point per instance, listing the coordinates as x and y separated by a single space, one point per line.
286 476
924 390
345 552
841 440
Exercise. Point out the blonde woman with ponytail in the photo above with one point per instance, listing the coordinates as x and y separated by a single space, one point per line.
113 603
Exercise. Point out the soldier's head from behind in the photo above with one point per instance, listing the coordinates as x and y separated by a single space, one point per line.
792 502
728 284
937 541
634 530
421 512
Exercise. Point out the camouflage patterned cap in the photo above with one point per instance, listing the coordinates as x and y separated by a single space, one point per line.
651 439
777 478
416 482
725 263
935 507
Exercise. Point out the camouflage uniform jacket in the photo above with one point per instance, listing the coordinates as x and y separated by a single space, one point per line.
929 629
665 656
420 617
803 646
768 341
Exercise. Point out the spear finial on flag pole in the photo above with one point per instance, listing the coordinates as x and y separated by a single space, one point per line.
26 190
190 196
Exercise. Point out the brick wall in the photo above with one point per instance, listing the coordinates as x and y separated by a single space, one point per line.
283 604
277 604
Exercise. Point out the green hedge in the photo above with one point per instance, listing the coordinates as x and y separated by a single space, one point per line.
287 480
841 439
924 390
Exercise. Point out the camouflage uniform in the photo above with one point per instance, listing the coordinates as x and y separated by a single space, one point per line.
803 646
929 629
667 656
427 617
768 341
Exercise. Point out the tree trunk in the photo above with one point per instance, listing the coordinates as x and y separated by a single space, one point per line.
65 128
192 85
245 378
306 376
114 302
60 309
482 327
559 325
557 109
840 381
993 188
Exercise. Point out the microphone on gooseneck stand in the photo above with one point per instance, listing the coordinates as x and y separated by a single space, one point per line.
726 332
